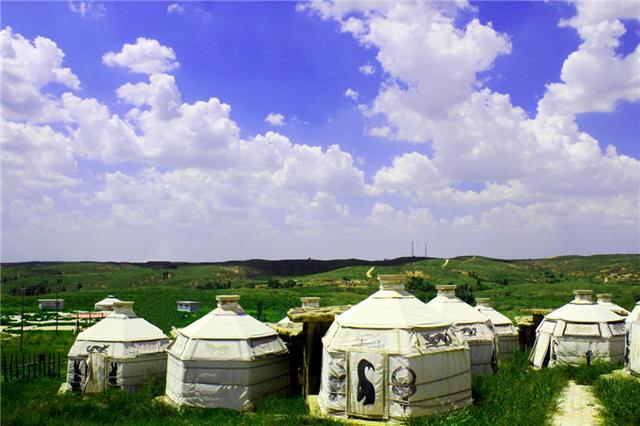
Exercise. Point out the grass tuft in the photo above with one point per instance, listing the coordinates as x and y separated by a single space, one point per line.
620 398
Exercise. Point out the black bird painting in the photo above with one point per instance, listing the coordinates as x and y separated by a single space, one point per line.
366 390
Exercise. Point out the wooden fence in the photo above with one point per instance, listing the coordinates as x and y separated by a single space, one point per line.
20 367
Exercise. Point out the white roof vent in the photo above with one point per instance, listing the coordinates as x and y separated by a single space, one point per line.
124 308
393 282
228 302
448 290
583 296
604 297
483 302
310 302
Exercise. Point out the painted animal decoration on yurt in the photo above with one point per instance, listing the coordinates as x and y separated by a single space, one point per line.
390 357
579 332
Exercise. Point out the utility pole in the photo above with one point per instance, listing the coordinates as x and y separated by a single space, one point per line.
57 307
22 318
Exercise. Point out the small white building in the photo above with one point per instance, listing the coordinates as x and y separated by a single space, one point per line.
50 304
633 341
506 333
579 332
188 306
106 304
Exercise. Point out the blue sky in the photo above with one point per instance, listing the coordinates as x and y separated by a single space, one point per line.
408 168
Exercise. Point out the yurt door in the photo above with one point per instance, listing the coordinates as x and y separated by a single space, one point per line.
96 377
366 385
540 349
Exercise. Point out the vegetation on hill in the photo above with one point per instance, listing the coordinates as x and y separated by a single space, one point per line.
155 287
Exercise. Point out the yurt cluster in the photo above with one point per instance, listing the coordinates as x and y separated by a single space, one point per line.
388 357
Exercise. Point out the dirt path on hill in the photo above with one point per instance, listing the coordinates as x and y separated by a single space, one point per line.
577 407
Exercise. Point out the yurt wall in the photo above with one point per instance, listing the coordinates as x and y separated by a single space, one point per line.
633 340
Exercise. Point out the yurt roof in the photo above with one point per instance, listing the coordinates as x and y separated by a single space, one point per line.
604 299
458 311
108 300
496 317
391 307
227 321
122 325
583 309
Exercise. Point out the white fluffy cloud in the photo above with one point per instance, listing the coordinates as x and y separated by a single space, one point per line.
432 64
175 8
27 67
351 94
146 56
596 77
275 119
87 9
367 69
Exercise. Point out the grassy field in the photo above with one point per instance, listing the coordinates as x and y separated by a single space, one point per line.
517 395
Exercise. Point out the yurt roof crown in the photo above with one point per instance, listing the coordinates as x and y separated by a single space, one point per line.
604 297
446 290
123 309
483 302
310 302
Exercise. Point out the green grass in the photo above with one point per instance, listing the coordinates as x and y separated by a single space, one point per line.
35 402
517 395
620 398
500 400
35 342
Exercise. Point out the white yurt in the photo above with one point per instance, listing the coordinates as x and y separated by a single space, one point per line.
633 341
476 328
391 357
580 331
226 359
106 304
605 299
506 333
121 351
